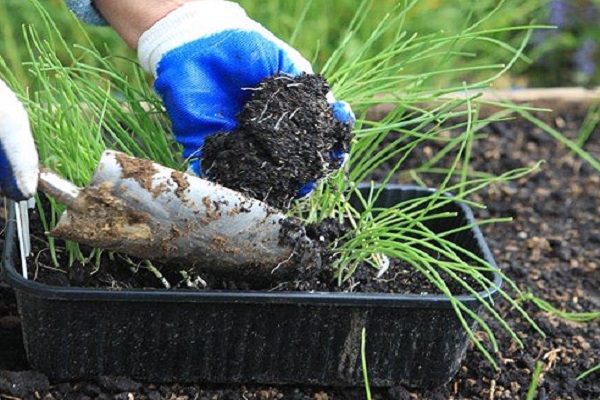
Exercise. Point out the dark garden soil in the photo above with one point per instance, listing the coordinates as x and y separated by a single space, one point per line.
552 248
308 270
287 137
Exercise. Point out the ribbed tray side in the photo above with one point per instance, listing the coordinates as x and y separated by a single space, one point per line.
220 343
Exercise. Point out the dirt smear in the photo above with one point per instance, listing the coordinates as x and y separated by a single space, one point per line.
182 184
286 137
140 170
104 221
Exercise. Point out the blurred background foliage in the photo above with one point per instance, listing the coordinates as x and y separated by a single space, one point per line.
569 53
566 53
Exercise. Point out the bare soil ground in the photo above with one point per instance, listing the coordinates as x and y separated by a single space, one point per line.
552 248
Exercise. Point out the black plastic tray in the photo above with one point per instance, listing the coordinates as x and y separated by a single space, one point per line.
244 337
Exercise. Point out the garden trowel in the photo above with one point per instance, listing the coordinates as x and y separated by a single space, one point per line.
143 209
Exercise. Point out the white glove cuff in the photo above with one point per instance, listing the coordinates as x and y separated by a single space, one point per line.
16 138
201 19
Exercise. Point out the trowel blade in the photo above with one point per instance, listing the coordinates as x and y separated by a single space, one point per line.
150 211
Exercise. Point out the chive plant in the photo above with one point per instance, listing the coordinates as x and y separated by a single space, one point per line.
535 380
83 103
16 13
420 113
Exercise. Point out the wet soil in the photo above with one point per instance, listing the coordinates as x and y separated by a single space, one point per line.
287 137
551 248
311 268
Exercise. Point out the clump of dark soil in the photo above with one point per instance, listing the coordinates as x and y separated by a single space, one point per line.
287 137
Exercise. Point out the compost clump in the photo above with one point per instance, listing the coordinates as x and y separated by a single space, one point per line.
287 137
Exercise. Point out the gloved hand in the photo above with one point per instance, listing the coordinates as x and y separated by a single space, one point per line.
18 156
205 55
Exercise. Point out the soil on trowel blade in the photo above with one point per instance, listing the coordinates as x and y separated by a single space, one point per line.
287 137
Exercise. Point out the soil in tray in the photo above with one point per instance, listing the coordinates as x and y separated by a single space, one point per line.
551 248
308 270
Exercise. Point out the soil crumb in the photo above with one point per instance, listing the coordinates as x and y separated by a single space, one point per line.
140 170
287 137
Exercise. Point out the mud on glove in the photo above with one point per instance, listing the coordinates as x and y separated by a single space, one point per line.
18 155
205 55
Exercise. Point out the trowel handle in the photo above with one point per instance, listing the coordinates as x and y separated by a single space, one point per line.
59 188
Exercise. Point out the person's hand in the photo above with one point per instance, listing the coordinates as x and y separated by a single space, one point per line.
205 56
18 156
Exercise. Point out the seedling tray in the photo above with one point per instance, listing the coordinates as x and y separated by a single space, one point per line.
244 337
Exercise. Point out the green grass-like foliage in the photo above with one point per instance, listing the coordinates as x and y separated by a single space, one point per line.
324 24
81 103
535 380
16 13
590 371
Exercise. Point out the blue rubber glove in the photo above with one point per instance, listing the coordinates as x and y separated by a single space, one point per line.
206 56
18 156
